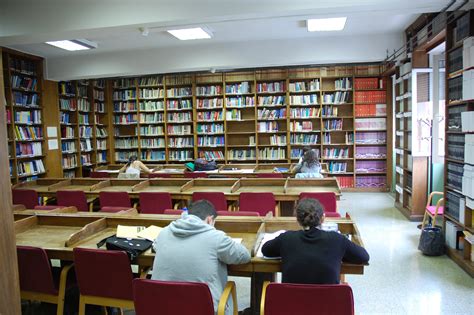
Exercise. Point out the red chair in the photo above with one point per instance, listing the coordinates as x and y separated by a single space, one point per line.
269 175
37 282
286 298
76 198
159 175
327 200
96 174
433 211
155 202
114 201
173 211
26 197
258 202
216 198
50 207
195 175
238 213
166 298
104 278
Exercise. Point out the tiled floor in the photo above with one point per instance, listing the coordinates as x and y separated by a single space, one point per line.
399 280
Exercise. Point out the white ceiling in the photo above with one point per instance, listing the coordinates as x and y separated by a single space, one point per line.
236 25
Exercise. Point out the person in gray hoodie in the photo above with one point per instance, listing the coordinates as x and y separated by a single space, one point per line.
191 249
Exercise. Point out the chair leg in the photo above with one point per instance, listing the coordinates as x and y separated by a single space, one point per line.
424 221
82 306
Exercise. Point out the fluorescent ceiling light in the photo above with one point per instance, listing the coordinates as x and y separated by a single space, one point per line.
321 25
73 44
190 33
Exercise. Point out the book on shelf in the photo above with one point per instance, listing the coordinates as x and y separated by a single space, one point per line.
28 149
25 83
28 117
370 167
343 84
27 100
85 132
124 155
28 133
370 123
305 112
98 95
305 86
271 100
272 154
23 66
150 81
69 161
211 155
376 152
371 137
125 107
268 126
278 140
335 153
153 155
152 105
151 130
124 95
235 154
333 124
211 141
83 105
271 113
370 97
370 110
179 92
303 139
209 90
346 181
152 118
311 99
248 101
238 88
210 116
210 103
181 155
180 142
145 93
125 119
339 97
30 168
301 126
271 87
209 128
370 181
179 104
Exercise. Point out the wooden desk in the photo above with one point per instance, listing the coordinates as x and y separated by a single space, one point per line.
41 185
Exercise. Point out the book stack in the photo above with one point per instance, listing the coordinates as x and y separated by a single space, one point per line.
210 103
370 110
370 97
311 99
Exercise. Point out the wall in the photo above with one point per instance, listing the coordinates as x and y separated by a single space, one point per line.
223 56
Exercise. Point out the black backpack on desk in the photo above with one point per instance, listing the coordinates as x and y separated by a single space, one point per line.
132 246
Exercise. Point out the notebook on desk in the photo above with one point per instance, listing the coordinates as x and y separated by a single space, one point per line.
268 237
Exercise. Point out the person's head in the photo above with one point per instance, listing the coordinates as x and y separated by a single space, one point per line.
306 148
131 159
309 213
311 158
204 210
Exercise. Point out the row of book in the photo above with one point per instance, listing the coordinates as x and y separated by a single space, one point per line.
271 87
234 114
66 88
23 66
371 137
238 88
209 90
28 133
100 132
98 95
337 98
348 138
124 95
180 142
454 120
268 126
101 144
370 123
209 116
343 84
468 84
179 92
305 86
370 110
305 112
247 101
85 145
69 161
271 113
69 104
86 159
179 130
125 107
28 149
345 181
124 83
272 154
30 168
26 83
179 104
456 146
151 130
28 117
151 118
210 128
26 100
371 167
152 143
180 117
211 155
67 132
455 59
468 149
69 173
181 155
303 139
148 81
83 119
270 100
210 103
126 143
125 119
311 99
123 156
152 106
376 152
153 155
370 97
211 141
329 111
101 157
241 155
99 107
85 132
278 140
151 93
455 89
83 105
298 153
368 83
336 153
333 124
301 126
370 181
455 173
337 167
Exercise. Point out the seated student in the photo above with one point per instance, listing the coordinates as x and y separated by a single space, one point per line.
309 167
311 255
134 166
191 249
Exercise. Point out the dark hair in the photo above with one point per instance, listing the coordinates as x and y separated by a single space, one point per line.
306 148
202 209
131 159
309 213
311 158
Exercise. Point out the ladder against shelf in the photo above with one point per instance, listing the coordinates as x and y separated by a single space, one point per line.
23 83
459 152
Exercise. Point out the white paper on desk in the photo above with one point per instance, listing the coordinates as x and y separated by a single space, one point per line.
268 237
150 233
109 171
237 240
129 231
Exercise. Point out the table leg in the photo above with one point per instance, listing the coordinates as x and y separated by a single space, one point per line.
256 289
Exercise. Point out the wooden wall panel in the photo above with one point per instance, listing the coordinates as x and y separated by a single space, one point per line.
51 119
9 281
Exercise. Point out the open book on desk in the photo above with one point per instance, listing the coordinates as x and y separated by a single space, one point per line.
268 237
150 233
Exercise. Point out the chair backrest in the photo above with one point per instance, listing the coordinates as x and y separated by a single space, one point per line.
96 174
238 213
76 198
170 298
155 202
216 198
114 199
327 199
269 175
257 202
159 175
285 298
35 272
103 273
195 175
26 197
173 211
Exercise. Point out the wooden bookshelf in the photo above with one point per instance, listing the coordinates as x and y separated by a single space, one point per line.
459 209
23 82
98 97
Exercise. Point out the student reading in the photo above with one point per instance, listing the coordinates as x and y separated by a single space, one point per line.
191 249
311 255
134 166
309 167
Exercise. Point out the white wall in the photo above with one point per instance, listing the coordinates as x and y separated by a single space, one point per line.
224 56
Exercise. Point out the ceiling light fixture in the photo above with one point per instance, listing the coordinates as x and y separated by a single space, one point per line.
323 25
73 44
191 33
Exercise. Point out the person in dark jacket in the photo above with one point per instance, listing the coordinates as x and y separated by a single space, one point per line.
311 255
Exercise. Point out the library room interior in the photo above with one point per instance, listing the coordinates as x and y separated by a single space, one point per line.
237 157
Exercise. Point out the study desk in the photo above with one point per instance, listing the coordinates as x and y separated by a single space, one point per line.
59 233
